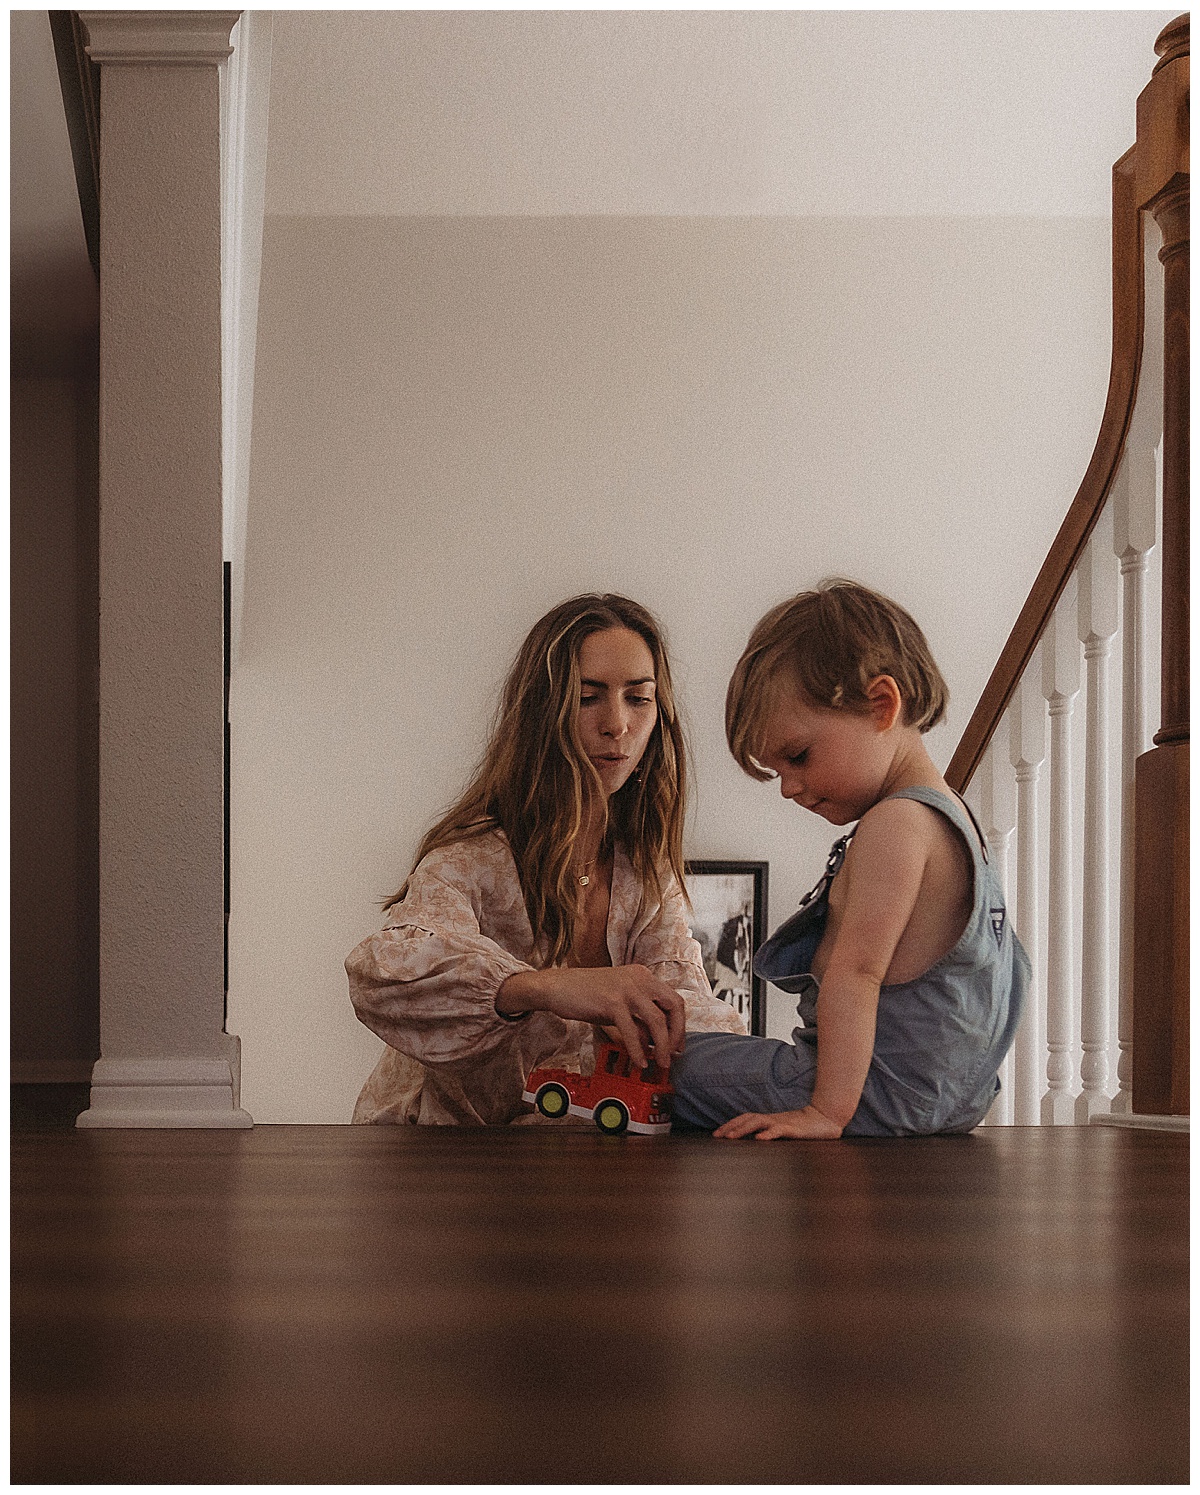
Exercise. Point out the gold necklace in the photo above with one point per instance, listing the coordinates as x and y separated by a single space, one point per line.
584 879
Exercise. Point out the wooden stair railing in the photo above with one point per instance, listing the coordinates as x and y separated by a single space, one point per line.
1161 990
1152 177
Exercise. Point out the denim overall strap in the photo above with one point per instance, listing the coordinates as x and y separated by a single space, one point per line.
953 808
785 959
833 865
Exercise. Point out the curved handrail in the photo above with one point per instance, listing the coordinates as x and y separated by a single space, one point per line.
1124 370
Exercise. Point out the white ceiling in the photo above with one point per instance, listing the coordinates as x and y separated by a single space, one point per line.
703 112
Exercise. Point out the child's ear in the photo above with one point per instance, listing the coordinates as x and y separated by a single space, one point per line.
883 697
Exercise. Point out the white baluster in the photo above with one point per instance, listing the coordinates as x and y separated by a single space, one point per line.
1134 537
1027 750
1060 686
998 815
1097 572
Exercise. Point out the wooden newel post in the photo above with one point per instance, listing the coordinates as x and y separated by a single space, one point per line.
1161 946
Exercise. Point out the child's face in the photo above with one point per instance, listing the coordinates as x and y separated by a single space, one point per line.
834 763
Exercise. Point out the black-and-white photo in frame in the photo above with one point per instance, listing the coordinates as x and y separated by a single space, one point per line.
729 920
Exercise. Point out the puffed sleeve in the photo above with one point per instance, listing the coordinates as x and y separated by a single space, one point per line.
426 983
666 947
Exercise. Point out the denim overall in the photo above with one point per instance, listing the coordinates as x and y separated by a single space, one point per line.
939 1039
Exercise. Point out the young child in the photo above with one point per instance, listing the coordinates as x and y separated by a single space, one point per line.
910 979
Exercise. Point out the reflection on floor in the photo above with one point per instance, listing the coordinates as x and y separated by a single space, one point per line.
424 1305
42 1108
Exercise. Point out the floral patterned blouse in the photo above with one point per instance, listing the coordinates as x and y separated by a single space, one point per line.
426 983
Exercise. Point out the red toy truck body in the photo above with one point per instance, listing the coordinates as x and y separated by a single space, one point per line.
617 1097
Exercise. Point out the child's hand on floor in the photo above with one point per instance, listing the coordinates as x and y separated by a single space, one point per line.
806 1123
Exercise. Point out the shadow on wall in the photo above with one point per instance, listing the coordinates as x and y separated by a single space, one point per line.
55 1003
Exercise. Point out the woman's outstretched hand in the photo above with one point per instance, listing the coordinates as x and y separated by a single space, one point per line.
629 1002
806 1123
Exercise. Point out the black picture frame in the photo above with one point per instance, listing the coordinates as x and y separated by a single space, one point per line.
723 893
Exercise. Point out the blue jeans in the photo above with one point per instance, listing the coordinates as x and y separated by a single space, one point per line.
721 1075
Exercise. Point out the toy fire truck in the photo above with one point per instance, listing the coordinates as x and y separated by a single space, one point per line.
616 1096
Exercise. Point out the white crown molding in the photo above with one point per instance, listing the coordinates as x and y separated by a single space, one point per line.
180 38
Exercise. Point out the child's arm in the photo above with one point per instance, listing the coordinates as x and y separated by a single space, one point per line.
883 872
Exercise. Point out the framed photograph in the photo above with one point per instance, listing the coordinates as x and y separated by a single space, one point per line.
729 919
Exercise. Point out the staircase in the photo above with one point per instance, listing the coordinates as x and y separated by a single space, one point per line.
1084 803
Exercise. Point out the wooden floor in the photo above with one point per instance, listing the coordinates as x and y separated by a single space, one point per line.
411 1305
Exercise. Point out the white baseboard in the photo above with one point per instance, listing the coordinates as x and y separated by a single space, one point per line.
50 1071
1145 1123
180 1092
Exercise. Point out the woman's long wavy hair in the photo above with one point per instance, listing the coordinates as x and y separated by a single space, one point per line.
535 779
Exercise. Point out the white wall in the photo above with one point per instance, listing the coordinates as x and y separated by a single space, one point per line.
713 112
459 422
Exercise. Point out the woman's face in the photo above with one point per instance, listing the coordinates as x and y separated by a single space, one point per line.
618 707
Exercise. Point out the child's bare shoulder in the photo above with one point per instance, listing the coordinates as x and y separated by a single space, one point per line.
890 852
896 814
895 823
907 835
912 859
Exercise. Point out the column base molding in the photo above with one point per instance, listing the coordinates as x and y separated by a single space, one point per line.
183 1092
1145 1123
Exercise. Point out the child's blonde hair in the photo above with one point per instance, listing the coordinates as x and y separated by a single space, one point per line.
830 644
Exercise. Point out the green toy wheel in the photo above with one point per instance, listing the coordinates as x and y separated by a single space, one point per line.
611 1116
552 1100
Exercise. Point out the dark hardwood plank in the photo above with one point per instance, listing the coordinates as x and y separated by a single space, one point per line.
412 1305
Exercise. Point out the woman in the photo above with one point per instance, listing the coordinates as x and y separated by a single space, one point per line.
549 898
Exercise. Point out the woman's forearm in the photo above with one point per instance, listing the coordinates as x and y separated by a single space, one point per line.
525 991
629 1001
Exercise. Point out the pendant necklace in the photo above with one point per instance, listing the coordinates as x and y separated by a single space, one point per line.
584 879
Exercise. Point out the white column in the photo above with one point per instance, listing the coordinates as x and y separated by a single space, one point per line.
998 816
166 1060
1060 686
1027 751
1097 573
